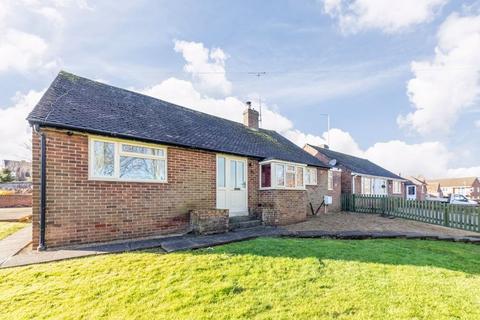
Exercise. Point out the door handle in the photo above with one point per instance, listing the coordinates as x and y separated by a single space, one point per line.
236 189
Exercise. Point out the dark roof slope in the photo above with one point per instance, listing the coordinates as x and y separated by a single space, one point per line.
356 164
77 103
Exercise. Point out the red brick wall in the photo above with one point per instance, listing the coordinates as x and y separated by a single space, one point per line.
83 211
253 185
316 193
289 205
16 201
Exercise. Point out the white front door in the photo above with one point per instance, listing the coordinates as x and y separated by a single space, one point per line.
411 193
232 185
379 187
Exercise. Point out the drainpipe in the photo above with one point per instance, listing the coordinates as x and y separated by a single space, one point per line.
43 185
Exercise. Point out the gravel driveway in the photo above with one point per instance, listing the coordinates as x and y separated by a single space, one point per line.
348 221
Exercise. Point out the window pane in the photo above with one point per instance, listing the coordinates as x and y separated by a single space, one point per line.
266 175
290 175
280 174
140 168
221 172
240 183
330 180
103 159
142 150
233 173
299 177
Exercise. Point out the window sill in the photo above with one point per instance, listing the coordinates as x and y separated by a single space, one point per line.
126 180
283 188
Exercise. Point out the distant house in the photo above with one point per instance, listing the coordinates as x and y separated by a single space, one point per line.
21 170
468 186
415 188
360 176
433 189
120 165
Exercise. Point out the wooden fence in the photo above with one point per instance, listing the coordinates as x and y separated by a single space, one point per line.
449 215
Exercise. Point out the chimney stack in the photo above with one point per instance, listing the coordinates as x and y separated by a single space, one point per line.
250 116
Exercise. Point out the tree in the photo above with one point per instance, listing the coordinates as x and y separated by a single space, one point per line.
6 175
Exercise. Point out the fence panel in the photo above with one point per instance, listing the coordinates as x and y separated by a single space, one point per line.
433 212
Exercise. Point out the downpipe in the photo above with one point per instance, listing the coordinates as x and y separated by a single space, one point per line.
43 184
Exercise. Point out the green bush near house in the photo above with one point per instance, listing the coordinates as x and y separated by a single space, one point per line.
9 228
266 278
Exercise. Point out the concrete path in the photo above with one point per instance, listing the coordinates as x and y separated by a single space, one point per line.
189 242
12 244
15 214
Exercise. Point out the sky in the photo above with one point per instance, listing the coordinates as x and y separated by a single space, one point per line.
400 80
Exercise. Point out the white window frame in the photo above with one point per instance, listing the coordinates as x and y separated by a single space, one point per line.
273 176
397 187
118 152
330 180
310 176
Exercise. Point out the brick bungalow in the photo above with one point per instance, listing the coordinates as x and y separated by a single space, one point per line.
360 176
111 164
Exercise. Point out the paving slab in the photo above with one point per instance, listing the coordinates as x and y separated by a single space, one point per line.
12 244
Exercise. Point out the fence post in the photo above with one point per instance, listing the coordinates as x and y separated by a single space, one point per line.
446 221
353 203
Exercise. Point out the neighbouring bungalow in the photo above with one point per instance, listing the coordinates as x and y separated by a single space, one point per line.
112 164
415 188
360 176
468 187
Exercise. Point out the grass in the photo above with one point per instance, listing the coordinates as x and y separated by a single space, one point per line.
266 278
9 228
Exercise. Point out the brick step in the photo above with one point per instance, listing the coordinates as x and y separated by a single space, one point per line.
245 224
241 219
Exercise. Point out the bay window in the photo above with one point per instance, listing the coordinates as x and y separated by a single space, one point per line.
126 161
282 175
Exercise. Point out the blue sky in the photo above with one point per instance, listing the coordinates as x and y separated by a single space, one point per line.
350 59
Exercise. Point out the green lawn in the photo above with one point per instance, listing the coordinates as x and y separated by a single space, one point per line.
8 228
267 278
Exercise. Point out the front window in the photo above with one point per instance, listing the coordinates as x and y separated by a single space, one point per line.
366 185
300 177
266 175
311 176
103 159
397 187
282 175
330 180
290 174
116 160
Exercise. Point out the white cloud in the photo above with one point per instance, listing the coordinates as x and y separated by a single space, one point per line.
389 16
450 83
21 51
477 123
15 133
207 66
24 50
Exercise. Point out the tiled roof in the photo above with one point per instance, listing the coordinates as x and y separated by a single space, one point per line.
77 103
454 182
355 164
